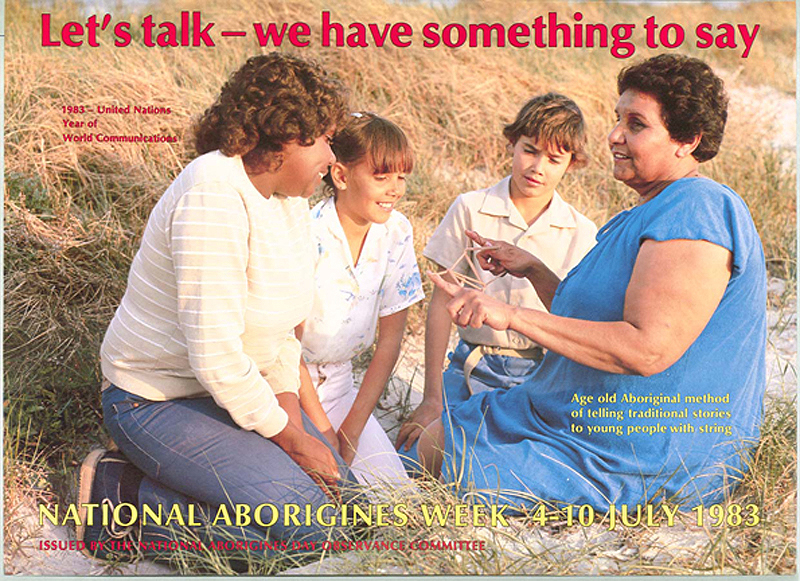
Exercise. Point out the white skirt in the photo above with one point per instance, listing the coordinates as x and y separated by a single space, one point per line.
376 462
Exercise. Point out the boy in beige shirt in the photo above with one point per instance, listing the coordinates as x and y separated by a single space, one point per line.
547 138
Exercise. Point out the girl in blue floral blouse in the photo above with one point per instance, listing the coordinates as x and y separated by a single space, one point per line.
366 278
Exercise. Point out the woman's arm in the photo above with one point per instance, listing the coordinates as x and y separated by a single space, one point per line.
674 290
390 336
290 403
208 241
311 455
210 252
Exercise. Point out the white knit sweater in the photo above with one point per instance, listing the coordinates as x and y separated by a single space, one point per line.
222 277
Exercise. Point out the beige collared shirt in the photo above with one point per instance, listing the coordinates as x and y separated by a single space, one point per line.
560 237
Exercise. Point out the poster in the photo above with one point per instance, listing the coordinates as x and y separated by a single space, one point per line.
99 98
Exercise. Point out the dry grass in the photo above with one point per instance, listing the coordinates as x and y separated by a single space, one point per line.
25 481
74 212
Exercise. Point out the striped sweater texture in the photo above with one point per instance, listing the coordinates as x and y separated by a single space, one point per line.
222 277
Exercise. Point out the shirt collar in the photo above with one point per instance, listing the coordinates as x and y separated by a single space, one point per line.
560 213
497 202
326 213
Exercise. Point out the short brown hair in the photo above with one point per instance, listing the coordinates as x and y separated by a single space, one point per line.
692 98
555 119
367 136
271 100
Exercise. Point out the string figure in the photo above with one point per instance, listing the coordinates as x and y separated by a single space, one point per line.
465 280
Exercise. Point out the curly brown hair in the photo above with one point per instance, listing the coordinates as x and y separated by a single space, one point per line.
271 100
554 119
692 98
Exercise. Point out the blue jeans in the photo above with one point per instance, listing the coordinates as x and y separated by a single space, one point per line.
193 453
492 372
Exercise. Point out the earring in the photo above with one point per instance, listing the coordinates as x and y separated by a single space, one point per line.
342 187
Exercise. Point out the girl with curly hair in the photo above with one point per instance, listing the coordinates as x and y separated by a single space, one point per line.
200 361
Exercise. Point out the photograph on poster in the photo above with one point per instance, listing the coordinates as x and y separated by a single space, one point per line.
389 287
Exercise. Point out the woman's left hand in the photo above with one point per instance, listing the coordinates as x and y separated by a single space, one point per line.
473 308
312 455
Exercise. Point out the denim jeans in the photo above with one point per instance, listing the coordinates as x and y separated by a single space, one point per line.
192 452
492 372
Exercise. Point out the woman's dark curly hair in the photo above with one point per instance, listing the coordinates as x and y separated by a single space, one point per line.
271 100
692 98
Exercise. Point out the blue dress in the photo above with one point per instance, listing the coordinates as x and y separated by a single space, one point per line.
517 446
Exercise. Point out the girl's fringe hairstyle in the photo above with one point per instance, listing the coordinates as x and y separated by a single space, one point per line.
554 119
367 136
271 100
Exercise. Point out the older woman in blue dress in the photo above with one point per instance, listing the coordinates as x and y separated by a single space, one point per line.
670 303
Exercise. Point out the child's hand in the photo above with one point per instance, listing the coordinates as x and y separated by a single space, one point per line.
332 439
471 308
347 447
426 413
501 258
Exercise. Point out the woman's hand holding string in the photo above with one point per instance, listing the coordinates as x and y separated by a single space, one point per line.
473 308
502 258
